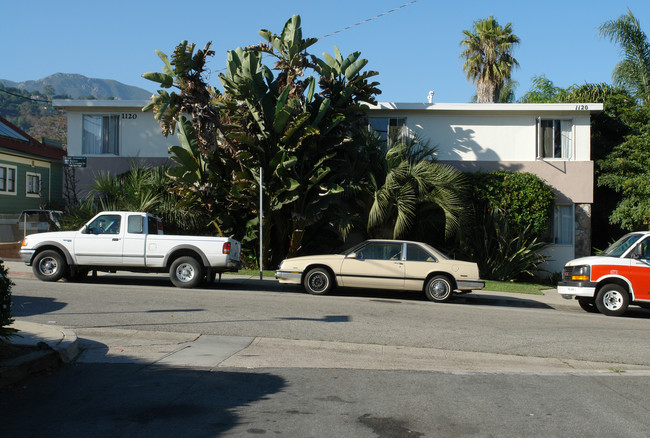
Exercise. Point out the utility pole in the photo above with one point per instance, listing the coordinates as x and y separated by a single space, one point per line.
261 217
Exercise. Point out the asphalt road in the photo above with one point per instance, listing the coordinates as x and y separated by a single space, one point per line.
100 399
470 323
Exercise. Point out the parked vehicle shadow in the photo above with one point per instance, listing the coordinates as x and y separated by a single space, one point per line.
516 300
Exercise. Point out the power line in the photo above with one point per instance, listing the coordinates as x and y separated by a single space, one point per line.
23 97
370 19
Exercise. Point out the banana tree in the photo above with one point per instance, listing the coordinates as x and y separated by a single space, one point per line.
268 117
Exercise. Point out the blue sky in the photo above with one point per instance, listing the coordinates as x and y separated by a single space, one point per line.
415 49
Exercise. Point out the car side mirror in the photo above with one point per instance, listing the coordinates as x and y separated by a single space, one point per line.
356 255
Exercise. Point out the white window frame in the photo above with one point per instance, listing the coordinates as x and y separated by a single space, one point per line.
103 131
29 175
562 128
5 178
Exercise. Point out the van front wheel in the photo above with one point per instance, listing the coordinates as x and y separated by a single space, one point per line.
612 300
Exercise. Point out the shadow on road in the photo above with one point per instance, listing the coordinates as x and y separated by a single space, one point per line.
28 306
108 400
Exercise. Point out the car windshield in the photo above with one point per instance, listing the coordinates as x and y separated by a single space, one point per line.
619 247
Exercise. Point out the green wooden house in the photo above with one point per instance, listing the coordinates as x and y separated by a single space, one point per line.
31 172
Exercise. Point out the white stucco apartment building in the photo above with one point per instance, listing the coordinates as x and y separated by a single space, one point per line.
549 140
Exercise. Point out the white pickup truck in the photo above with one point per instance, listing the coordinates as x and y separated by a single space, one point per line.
127 241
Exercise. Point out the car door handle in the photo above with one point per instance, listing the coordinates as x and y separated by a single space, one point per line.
115 239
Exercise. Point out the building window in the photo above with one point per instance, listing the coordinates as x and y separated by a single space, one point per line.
390 129
7 180
33 184
101 134
561 225
554 138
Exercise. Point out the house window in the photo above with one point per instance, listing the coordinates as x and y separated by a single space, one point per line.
560 232
33 184
554 138
8 180
101 134
390 129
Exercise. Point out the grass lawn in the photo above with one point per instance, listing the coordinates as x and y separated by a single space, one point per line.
521 288
495 286
255 272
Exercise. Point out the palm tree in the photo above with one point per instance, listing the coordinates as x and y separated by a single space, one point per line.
633 72
413 182
488 57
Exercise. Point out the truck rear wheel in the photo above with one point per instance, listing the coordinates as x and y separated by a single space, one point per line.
49 266
612 300
186 272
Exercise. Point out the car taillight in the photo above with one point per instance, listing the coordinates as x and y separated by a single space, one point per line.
226 248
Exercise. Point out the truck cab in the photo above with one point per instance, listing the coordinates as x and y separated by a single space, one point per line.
115 238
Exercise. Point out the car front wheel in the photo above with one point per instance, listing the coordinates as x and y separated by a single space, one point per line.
612 300
186 272
318 281
438 289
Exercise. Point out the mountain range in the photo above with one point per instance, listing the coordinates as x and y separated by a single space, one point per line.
78 86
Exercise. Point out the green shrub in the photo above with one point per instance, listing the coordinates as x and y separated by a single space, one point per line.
509 213
5 304
524 199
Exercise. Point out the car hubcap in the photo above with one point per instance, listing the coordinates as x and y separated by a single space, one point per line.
612 300
318 282
439 289
48 266
185 272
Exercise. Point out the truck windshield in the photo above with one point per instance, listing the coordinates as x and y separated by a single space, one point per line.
619 247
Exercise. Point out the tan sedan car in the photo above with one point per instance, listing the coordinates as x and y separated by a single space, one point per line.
383 264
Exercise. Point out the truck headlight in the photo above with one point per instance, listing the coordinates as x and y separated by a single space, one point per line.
580 273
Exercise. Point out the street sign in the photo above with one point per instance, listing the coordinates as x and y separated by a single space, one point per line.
74 161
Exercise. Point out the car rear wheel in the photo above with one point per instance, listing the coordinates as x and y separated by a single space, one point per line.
318 281
186 272
439 289
49 266
612 300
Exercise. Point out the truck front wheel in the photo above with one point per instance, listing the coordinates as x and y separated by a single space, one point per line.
186 272
612 300
49 265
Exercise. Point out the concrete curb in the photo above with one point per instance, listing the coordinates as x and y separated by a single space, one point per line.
56 345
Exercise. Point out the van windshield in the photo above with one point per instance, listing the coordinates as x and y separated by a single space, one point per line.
619 247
